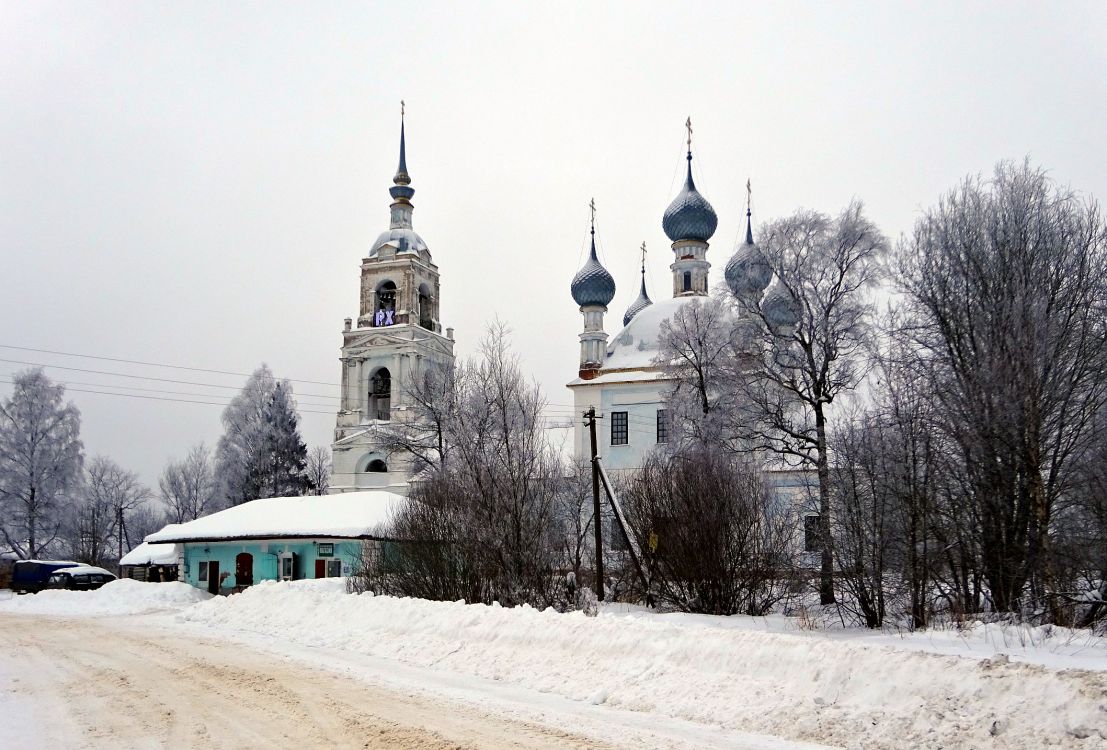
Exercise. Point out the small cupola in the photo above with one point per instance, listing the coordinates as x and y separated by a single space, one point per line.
643 300
747 272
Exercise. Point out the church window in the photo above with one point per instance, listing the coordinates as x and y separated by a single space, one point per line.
426 314
386 305
377 466
812 534
687 281
662 425
380 395
619 428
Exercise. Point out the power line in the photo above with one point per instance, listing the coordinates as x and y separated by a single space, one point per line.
154 364
161 398
145 377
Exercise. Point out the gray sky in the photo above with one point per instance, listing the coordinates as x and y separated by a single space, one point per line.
195 183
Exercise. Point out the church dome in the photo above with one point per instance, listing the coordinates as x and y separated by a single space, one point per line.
593 285
638 345
404 239
780 308
638 305
689 216
748 272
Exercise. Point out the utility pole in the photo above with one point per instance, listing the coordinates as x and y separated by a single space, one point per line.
590 420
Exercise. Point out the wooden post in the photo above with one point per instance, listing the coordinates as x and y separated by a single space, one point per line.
597 517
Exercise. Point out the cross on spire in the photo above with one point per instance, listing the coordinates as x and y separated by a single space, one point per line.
592 208
749 196
688 124
643 257
402 106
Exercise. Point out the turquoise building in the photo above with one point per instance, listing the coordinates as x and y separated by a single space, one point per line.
280 539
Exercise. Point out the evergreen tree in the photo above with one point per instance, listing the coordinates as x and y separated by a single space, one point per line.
261 453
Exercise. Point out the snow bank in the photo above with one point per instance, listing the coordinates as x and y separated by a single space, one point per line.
851 693
148 553
122 597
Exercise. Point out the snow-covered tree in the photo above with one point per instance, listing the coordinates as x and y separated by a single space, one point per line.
261 453
40 462
816 332
188 486
1004 282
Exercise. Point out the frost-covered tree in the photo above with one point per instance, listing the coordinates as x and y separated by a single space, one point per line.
261 453
188 487
1005 283
40 462
815 332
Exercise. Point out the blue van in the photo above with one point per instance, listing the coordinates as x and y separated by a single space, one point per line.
31 576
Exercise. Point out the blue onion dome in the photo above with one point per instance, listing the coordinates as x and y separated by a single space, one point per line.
689 216
639 304
780 308
748 272
593 285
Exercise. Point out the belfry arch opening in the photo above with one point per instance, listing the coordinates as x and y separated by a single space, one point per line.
376 466
426 308
380 395
385 314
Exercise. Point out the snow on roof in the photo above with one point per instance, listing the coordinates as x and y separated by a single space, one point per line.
85 570
349 515
151 554
636 346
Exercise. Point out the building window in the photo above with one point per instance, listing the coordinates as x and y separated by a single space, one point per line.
377 466
619 432
380 395
687 281
812 534
334 568
662 425
204 570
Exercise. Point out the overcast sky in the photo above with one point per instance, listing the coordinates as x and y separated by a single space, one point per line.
195 183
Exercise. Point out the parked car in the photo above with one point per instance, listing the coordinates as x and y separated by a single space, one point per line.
30 576
79 578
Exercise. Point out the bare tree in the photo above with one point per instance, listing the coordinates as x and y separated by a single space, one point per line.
188 486
481 525
716 538
426 433
109 496
319 469
40 462
1005 282
815 330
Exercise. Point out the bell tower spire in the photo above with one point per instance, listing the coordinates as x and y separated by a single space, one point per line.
401 190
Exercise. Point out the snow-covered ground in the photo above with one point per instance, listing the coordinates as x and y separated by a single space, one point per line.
121 597
701 678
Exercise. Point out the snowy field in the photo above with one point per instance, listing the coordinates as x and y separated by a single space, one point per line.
737 681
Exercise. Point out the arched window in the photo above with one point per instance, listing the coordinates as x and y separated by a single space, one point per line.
426 311
687 281
386 305
377 466
380 395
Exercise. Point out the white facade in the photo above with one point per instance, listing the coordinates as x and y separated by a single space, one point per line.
397 338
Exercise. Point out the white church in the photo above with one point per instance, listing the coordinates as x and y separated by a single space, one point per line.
398 335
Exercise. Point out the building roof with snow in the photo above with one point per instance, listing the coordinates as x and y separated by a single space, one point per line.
151 554
350 515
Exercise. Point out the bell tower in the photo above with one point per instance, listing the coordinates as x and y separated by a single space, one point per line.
398 336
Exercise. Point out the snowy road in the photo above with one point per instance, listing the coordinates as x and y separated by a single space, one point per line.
143 682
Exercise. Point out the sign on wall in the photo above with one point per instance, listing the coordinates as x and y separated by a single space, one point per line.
326 550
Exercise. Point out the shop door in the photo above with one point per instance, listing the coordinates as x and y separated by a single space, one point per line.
244 569
320 568
213 577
